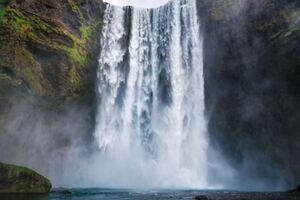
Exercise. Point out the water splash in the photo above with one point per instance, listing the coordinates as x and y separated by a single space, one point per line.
150 120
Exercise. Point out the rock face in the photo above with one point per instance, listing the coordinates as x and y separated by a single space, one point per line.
252 73
49 45
48 60
15 179
296 190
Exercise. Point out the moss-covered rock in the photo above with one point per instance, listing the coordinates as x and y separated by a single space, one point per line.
16 179
49 45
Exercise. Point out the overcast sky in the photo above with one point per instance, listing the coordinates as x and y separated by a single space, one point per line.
138 3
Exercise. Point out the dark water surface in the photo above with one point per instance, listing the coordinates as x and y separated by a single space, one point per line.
112 194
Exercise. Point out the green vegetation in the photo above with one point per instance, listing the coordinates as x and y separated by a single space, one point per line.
75 8
76 55
30 29
4 3
4 77
15 169
2 12
22 180
22 24
20 169
86 31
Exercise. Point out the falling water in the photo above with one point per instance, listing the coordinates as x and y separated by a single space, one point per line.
150 119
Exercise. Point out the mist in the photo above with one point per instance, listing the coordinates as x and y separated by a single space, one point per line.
59 143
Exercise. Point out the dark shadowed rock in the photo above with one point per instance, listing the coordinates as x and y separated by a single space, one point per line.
201 197
296 190
61 190
16 179
251 67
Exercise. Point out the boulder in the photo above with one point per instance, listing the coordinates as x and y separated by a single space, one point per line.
16 179
61 190
201 197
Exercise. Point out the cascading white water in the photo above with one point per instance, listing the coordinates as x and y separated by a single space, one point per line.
150 120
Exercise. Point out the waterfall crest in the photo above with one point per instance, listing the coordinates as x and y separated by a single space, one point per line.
150 123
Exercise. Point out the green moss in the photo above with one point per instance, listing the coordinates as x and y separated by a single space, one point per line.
4 3
73 76
19 23
22 24
33 79
2 15
76 56
86 31
2 12
31 74
34 30
4 77
19 169
76 83
78 53
75 8
22 180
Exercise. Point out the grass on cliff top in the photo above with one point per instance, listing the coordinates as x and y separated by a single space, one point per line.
17 169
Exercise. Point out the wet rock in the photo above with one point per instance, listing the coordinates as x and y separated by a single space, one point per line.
296 190
201 197
62 190
16 179
51 45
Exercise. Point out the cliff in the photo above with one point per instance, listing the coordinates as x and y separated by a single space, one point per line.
49 45
48 59
252 78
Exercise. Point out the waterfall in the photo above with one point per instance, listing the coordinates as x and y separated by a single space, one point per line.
150 123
